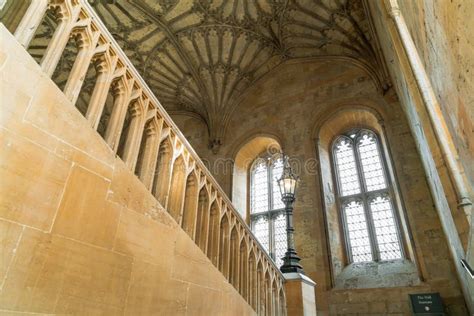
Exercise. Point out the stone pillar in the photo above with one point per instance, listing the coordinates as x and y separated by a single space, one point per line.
99 95
121 92
86 43
59 40
31 20
300 294
135 133
150 154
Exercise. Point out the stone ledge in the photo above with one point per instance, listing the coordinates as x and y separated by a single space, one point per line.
299 276
394 273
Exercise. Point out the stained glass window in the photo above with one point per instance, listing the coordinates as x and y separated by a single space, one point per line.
268 220
370 225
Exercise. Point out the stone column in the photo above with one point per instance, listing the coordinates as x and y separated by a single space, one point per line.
30 22
150 154
119 111
406 50
86 44
59 41
300 294
135 133
101 89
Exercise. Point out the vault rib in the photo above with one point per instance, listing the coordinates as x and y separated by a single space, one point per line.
194 73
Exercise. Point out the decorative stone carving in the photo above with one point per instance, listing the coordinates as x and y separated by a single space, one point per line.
201 56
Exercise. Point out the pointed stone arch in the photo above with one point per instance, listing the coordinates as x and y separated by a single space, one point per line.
213 239
261 295
86 36
113 116
274 297
243 270
202 220
331 126
162 173
282 301
268 293
105 62
190 205
245 156
148 153
224 240
67 13
252 279
234 258
132 131
177 189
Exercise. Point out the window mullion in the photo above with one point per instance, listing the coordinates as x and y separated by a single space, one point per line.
364 194
346 230
363 185
270 217
270 187
272 236
397 224
371 227
373 200
390 191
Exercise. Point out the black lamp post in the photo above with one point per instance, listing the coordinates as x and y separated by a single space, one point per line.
287 184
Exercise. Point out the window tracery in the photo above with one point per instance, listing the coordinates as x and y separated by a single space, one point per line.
267 217
368 213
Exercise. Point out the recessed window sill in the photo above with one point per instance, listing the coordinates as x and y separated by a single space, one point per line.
391 273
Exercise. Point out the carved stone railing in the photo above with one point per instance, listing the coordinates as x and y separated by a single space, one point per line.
140 131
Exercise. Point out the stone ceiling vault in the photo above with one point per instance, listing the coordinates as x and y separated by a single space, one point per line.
200 56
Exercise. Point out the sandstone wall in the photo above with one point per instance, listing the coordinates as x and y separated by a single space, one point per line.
196 132
79 233
288 103
442 31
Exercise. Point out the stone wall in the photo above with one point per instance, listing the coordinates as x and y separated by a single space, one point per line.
442 32
80 234
288 103
196 132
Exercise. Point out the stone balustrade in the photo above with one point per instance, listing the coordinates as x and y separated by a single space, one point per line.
140 131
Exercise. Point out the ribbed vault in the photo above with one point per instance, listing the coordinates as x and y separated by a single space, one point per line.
200 56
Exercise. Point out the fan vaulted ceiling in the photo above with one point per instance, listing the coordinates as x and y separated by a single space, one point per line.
200 56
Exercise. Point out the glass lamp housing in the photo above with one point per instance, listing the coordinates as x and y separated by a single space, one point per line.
287 182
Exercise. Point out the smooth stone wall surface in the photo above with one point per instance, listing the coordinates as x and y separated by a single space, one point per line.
79 233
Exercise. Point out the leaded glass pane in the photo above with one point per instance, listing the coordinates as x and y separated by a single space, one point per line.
280 238
259 192
346 167
260 230
371 163
358 233
385 228
276 173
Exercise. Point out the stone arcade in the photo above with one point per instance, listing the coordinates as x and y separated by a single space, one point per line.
141 141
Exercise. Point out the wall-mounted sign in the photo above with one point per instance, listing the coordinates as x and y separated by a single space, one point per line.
426 304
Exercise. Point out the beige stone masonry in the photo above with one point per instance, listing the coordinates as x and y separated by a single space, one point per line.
81 234
300 296
288 107
164 161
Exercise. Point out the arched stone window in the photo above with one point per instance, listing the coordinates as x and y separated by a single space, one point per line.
368 233
267 217
364 196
